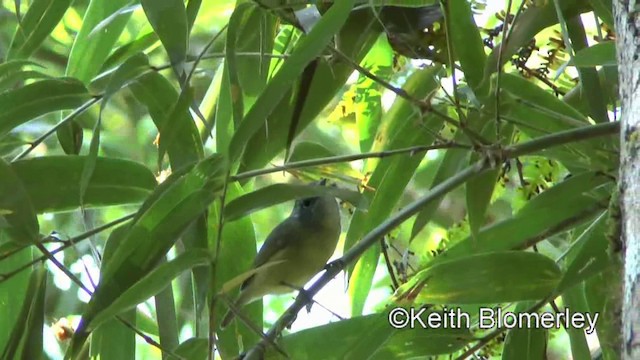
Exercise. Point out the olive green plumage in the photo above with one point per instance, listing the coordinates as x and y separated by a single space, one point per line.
299 246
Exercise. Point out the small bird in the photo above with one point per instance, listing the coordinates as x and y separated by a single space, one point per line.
299 247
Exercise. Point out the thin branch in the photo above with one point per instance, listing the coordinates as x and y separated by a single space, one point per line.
561 138
345 158
66 244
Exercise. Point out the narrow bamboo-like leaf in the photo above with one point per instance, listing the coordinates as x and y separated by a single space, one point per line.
11 79
12 71
52 182
279 193
169 20
102 25
152 283
193 6
527 343
560 208
13 290
466 40
342 336
39 98
122 53
111 82
533 94
480 279
368 99
16 207
589 80
401 128
238 237
574 300
38 23
162 218
32 346
193 348
114 331
255 36
157 93
31 314
354 40
604 10
478 190
308 49
588 254
90 47
600 54
451 163
236 21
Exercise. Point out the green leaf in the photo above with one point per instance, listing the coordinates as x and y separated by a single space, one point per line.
368 94
26 335
12 72
39 98
165 215
238 237
160 97
527 343
279 193
193 348
153 283
401 128
483 278
122 53
111 332
256 35
354 40
560 208
169 20
16 207
451 163
13 290
52 182
600 54
91 48
466 40
37 24
341 338
587 255
604 10
574 300
310 47
589 80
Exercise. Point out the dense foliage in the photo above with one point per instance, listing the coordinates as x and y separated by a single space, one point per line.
148 147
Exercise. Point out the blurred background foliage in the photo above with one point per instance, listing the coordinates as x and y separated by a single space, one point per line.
166 84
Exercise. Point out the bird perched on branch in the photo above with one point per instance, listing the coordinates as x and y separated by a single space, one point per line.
295 250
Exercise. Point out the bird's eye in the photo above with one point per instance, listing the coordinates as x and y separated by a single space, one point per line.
306 203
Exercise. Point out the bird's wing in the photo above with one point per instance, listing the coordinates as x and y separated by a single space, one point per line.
276 241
